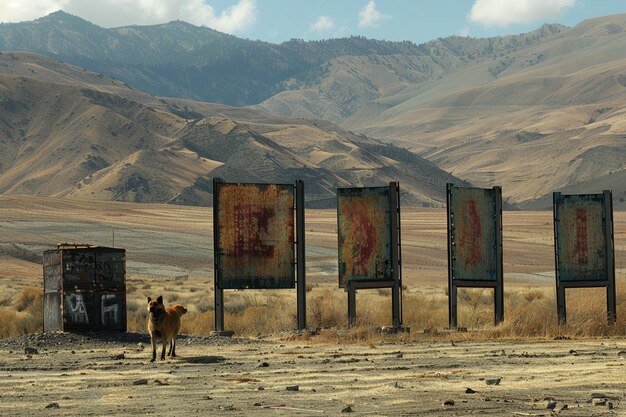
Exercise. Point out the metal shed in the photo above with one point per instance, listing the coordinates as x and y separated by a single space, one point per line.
84 288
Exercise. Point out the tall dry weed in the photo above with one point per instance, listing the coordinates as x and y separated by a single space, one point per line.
24 315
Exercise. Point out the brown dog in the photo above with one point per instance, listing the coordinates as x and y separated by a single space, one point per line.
163 324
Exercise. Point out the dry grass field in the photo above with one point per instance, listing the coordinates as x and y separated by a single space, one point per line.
169 253
528 366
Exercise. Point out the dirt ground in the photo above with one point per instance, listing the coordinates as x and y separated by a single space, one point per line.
97 375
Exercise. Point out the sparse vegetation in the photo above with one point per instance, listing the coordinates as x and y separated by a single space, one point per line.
24 315
529 313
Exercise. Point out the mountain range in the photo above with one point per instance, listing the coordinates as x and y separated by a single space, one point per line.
534 113
69 132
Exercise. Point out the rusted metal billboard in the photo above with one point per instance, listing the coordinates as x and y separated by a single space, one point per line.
472 215
255 236
364 232
475 244
584 248
581 242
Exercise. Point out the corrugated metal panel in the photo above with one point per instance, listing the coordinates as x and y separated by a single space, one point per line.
473 233
581 238
53 313
52 271
364 232
256 236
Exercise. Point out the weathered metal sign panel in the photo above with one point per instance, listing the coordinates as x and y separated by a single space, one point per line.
581 237
110 269
364 231
256 236
473 230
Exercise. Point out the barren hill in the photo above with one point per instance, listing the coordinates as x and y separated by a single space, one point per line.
546 117
68 132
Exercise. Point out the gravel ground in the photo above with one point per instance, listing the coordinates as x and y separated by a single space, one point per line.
110 374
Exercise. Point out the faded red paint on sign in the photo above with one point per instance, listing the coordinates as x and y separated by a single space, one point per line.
473 233
251 223
581 242
256 236
364 234
581 248
474 255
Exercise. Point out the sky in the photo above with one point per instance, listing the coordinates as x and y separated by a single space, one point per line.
280 20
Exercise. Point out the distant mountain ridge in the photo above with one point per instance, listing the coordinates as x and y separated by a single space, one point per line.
178 59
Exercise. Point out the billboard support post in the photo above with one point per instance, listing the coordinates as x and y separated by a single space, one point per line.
218 292
300 256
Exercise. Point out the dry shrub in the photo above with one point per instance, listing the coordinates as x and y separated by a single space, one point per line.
533 294
25 315
136 314
8 320
327 308
425 312
535 318
29 299
198 323
263 319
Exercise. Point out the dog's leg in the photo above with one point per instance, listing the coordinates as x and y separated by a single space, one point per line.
174 347
153 348
163 350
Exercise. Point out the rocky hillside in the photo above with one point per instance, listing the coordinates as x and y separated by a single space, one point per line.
68 132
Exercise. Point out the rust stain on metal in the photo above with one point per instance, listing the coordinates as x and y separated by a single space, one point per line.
256 236
364 234
473 233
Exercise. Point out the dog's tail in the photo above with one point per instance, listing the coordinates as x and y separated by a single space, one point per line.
179 309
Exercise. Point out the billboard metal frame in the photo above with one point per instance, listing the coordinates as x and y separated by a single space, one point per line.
395 283
299 251
454 283
609 279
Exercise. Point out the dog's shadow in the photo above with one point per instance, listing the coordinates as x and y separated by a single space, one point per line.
202 359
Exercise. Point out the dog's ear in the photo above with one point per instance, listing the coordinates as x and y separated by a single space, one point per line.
160 299
149 299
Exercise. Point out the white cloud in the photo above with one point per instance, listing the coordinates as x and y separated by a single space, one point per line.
112 13
369 16
19 10
322 24
506 12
